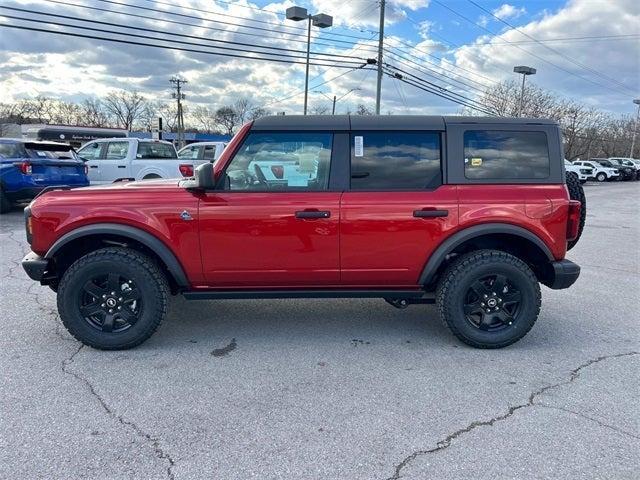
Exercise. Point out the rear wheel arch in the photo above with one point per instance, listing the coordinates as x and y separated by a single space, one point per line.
512 239
86 239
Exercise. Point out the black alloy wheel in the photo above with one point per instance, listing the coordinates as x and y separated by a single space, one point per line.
492 303
110 303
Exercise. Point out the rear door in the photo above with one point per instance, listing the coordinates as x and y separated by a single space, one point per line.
278 230
397 210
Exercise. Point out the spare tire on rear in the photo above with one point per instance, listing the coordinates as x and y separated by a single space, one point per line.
576 192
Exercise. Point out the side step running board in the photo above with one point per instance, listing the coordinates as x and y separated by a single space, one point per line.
248 294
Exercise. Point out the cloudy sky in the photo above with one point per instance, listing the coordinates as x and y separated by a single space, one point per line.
588 50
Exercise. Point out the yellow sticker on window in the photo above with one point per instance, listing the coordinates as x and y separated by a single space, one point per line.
476 162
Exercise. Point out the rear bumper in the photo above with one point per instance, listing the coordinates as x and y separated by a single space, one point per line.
562 274
35 266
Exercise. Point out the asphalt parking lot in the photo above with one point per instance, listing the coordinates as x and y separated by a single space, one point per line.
328 389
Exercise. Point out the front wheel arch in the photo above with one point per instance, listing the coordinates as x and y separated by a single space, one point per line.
83 240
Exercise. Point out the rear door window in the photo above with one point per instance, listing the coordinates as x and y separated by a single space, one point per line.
189 153
395 160
505 155
209 152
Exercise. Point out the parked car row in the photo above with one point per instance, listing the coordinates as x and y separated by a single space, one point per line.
605 169
27 167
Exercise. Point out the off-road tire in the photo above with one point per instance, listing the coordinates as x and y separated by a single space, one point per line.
576 192
469 268
148 278
5 204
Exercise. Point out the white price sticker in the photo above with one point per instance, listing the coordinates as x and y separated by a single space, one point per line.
358 146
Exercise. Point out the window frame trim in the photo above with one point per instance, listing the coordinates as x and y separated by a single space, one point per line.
443 162
219 186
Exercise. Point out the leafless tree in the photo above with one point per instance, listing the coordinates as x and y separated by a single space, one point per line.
227 119
319 110
93 113
205 118
125 107
362 109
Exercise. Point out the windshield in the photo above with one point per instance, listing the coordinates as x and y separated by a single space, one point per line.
156 150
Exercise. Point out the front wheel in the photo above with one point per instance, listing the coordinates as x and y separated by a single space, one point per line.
601 177
113 298
488 298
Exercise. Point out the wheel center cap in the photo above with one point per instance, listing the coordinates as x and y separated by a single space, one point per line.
111 302
492 302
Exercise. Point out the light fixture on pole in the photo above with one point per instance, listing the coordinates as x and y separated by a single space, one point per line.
524 71
635 127
319 20
335 98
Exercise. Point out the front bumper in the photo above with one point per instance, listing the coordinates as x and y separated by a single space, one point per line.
35 266
562 274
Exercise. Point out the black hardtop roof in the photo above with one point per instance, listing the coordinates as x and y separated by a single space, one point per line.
382 122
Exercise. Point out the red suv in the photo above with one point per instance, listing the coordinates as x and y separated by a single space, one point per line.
468 213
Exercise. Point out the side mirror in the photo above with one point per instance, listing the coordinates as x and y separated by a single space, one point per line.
204 176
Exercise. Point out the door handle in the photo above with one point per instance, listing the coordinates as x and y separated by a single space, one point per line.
433 213
122 166
307 214
93 166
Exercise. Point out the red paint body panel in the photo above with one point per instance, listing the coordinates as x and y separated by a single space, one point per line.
251 238
152 206
382 243
541 209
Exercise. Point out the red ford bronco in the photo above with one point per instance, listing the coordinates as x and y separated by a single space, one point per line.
471 214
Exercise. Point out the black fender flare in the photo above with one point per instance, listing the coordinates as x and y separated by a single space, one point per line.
447 246
137 234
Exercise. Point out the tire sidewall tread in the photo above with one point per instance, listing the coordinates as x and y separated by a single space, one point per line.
456 276
149 279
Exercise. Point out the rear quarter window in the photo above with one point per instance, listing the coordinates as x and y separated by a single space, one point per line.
9 150
506 155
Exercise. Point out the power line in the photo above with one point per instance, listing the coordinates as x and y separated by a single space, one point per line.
520 48
165 47
434 73
177 22
469 101
592 70
180 35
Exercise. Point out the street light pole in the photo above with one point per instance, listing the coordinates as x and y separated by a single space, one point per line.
524 71
380 46
335 98
333 112
635 128
319 20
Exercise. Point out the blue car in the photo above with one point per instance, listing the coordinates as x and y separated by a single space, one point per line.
27 167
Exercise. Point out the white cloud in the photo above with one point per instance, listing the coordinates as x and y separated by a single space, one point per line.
507 11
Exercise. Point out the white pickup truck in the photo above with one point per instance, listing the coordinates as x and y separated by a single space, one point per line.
114 159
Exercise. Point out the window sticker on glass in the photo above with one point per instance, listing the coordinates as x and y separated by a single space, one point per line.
476 162
358 146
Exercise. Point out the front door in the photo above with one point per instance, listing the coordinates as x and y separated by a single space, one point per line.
92 153
115 164
396 211
275 223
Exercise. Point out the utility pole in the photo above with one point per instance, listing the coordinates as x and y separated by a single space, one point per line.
635 128
380 44
179 96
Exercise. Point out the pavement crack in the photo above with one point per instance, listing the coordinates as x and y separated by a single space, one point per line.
151 440
592 419
447 441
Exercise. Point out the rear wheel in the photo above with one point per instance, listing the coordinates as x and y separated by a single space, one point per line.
113 298
576 192
488 299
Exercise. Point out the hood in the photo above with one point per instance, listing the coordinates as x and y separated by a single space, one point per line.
159 184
